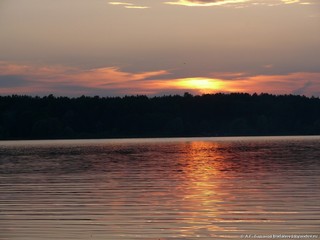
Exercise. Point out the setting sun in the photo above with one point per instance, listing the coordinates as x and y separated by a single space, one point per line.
202 84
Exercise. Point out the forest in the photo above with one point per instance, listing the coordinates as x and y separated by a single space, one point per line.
235 114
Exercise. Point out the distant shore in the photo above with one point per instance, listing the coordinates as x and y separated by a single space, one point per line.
157 139
210 115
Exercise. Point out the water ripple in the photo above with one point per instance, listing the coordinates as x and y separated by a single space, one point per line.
159 189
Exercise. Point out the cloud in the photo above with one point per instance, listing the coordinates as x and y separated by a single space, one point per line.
137 7
120 3
12 81
294 83
206 3
112 81
303 89
128 5
242 3
27 79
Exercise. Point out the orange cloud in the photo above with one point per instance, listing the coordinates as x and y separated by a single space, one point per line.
208 3
303 83
48 78
60 80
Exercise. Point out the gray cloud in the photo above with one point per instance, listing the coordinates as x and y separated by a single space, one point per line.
8 81
303 90
76 91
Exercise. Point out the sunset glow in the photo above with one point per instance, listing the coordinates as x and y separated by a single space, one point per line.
116 48
28 79
159 119
202 84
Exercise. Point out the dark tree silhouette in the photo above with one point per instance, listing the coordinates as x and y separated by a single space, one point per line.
50 117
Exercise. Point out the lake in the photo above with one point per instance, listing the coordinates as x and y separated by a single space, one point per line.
178 188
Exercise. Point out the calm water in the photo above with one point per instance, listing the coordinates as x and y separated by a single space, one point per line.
209 188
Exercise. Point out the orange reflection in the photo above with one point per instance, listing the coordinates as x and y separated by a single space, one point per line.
218 195
203 192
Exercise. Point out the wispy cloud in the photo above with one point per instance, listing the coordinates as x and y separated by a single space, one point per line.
120 3
292 83
129 5
60 80
303 89
46 79
206 3
242 3
137 7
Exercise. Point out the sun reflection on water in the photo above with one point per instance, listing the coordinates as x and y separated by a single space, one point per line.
181 189
202 189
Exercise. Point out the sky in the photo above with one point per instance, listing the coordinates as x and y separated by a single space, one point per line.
159 47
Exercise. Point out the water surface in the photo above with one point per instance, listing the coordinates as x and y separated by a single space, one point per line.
187 188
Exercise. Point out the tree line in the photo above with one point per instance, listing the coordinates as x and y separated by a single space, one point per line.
235 114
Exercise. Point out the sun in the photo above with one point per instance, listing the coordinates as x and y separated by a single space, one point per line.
202 84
